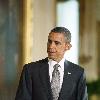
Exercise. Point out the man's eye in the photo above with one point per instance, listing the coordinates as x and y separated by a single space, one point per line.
57 43
49 41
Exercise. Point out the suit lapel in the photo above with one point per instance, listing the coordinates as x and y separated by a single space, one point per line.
44 77
67 82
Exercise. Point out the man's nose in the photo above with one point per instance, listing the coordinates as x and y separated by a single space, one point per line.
52 45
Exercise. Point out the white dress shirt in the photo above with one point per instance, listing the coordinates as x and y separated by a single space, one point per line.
61 69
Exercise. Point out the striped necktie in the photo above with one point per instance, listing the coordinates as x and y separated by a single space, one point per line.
55 82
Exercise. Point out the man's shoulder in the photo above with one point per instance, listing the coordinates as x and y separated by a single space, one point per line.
75 66
36 63
76 70
34 66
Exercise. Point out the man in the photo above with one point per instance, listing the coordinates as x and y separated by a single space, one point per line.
37 80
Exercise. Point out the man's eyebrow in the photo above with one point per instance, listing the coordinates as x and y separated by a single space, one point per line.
57 41
49 40
54 41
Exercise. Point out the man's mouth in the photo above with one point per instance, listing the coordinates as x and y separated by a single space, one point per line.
49 51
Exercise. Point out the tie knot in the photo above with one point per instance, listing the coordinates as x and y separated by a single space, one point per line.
56 66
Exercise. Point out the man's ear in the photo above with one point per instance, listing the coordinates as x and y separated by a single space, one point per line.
68 46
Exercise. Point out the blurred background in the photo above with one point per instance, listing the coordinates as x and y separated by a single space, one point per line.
24 28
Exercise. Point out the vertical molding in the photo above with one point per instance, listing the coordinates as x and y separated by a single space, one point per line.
88 41
28 31
98 48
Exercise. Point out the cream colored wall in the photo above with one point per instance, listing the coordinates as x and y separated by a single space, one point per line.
97 10
44 19
39 19
88 39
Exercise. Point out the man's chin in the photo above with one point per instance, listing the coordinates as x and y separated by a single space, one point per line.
52 57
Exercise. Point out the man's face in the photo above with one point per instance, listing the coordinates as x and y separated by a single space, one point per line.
56 46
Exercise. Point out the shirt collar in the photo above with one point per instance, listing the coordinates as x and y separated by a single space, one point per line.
52 62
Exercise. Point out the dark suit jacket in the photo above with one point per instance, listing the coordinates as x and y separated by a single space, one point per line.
35 85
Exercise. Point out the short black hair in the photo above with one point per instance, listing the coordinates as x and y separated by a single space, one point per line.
63 31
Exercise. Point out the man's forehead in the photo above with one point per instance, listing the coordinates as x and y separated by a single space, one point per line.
56 37
53 34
